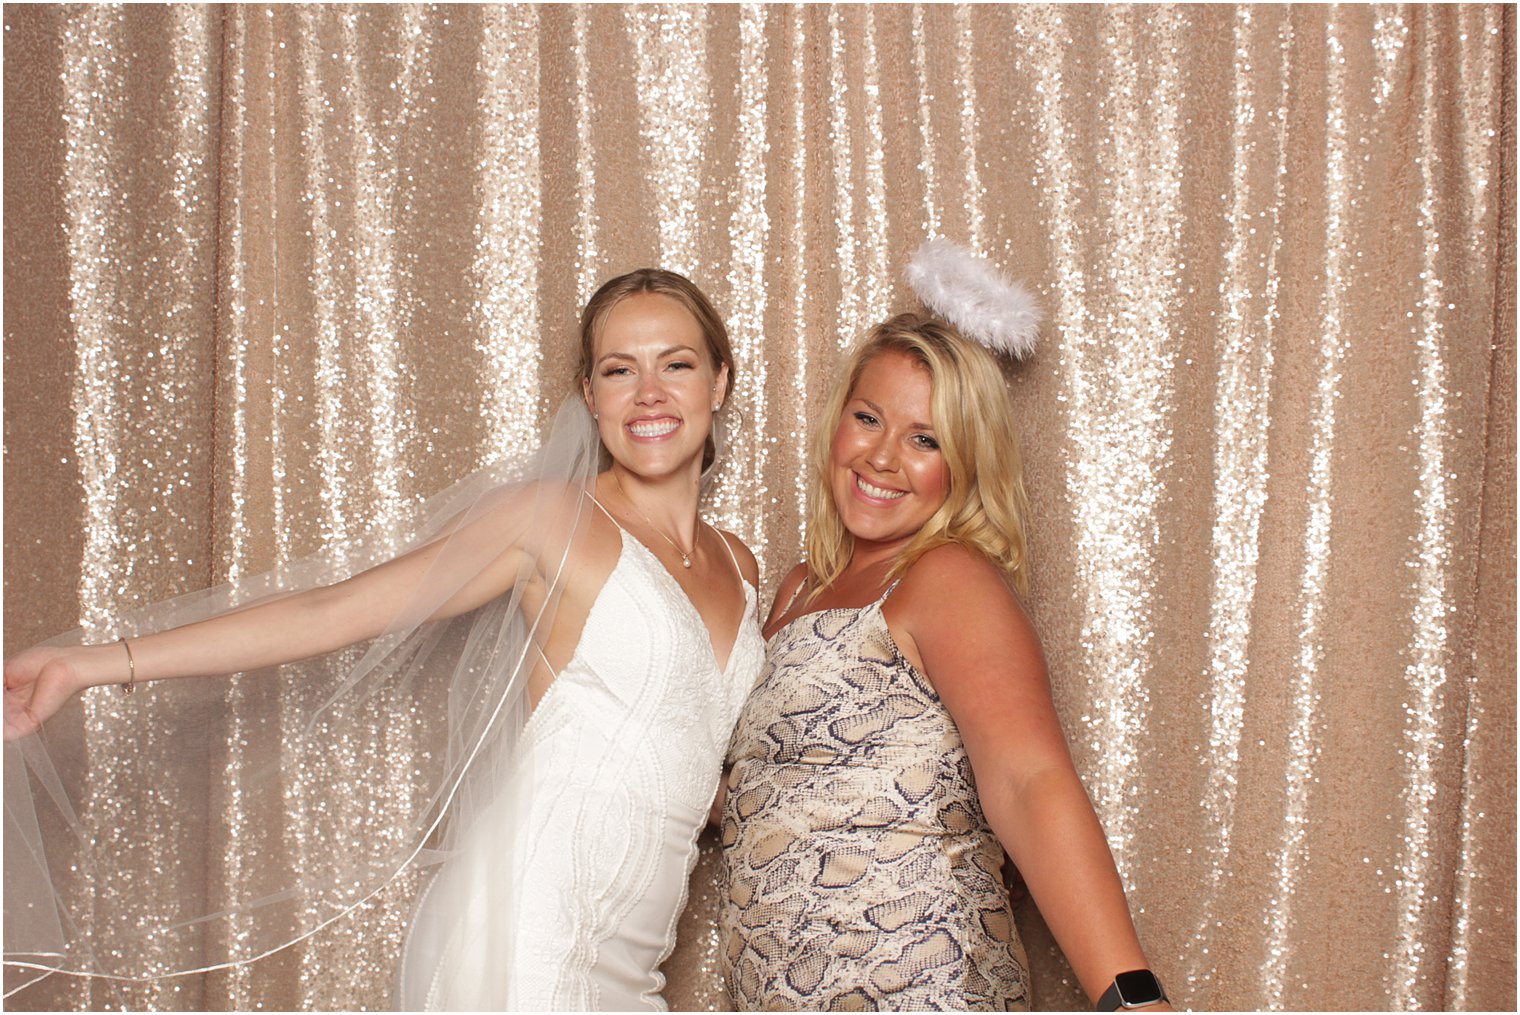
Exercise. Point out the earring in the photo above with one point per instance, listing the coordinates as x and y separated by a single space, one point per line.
717 407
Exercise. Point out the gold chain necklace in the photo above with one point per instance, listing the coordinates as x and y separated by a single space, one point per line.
685 555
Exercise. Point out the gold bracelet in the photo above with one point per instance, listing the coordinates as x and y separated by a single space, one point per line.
131 683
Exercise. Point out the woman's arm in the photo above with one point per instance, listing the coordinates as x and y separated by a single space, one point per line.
39 680
978 648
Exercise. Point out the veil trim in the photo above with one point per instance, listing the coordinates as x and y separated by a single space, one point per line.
471 749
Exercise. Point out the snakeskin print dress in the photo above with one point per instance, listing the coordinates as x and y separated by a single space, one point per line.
861 873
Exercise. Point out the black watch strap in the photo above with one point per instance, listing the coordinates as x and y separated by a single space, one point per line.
1132 990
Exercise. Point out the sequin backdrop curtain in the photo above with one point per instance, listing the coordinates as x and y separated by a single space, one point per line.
271 273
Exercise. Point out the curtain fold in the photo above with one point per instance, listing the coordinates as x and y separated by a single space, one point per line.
275 274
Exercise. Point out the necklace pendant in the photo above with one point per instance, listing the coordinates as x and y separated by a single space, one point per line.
686 562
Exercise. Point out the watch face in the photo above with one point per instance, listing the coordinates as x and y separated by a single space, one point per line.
1138 987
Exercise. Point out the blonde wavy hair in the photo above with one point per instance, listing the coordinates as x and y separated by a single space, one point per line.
973 424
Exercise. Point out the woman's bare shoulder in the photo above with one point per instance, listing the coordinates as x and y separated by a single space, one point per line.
795 577
748 565
534 515
952 583
952 562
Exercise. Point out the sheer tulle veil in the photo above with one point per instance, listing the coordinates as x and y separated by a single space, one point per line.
449 694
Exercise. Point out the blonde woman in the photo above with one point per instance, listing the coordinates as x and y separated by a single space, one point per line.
902 734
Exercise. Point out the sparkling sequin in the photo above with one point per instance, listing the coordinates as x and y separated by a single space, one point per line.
93 86
1480 923
796 436
876 232
851 316
139 377
1423 895
380 312
588 258
1305 718
1249 293
507 231
674 99
965 79
1119 406
234 557
302 268
744 498
926 124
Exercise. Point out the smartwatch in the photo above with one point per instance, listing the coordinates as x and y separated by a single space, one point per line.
1133 989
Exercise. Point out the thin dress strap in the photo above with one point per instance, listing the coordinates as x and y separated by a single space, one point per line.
731 555
721 537
803 584
604 511
795 593
536 646
539 648
880 600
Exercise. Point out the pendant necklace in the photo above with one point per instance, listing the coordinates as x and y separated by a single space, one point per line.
685 556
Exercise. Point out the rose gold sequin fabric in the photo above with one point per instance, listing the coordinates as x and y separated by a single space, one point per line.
275 272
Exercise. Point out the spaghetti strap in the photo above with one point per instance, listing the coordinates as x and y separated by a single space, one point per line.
604 511
547 664
881 599
731 555
795 593
721 537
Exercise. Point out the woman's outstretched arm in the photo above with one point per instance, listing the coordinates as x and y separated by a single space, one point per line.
981 653
478 559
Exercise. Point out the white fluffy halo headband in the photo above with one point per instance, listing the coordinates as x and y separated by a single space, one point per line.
967 291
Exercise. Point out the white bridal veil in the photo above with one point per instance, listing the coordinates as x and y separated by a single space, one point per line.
446 697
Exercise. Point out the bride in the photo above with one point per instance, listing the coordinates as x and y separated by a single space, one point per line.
595 639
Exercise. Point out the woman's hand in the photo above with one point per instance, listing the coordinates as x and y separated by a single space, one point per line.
40 680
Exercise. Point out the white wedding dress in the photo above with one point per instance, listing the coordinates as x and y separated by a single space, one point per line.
567 894
566 836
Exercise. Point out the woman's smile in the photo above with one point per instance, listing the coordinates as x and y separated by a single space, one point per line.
656 428
874 492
